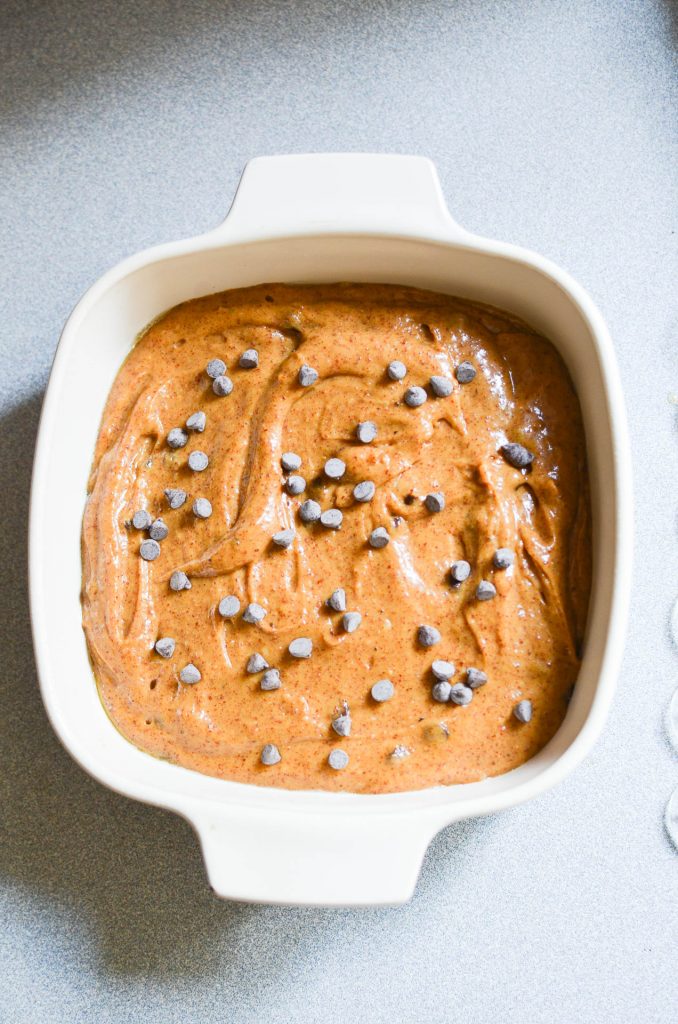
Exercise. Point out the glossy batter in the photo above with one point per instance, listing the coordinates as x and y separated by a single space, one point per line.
527 639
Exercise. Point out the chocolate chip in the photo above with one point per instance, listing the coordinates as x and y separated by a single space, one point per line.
149 550
351 620
198 462
179 581
290 462
461 695
460 571
215 368
338 759
442 669
366 431
337 600
196 422
202 508
222 386
309 511
177 438
485 591
190 674
475 677
465 372
382 691
396 370
165 646
158 530
302 647
332 518
271 680
295 485
335 469
270 755
440 691
229 606
283 538
428 636
523 711
379 538
364 491
415 397
435 502
249 360
516 455
254 613
256 663
441 386
503 558
141 520
342 724
175 497
307 376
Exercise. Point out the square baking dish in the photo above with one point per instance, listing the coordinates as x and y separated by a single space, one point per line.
316 218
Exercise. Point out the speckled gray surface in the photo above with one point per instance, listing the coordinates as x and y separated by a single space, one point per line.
124 124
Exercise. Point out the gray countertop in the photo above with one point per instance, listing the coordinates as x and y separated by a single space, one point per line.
552 125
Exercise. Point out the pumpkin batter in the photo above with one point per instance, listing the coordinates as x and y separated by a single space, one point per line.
526 638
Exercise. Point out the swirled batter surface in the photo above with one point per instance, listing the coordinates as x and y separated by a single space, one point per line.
526 639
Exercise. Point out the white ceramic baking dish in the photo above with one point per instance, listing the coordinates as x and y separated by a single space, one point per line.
315 218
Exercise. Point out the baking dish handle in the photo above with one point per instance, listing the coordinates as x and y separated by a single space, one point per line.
349 193
310 859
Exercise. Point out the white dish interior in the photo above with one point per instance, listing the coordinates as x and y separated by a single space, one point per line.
313 219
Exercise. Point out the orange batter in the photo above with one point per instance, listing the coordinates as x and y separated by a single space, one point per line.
526 639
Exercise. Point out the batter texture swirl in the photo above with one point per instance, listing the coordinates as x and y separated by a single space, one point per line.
525 638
